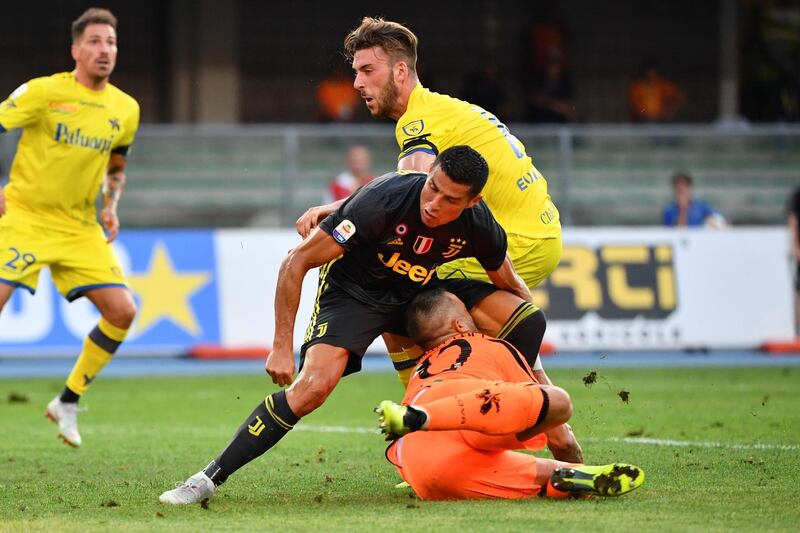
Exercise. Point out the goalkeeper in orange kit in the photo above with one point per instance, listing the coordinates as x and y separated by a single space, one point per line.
471 402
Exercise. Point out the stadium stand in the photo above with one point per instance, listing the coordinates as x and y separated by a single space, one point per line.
231 176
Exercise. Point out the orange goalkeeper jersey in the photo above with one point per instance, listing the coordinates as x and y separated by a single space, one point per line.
470 355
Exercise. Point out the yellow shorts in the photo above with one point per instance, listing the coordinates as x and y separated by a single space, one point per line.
78 261
533 259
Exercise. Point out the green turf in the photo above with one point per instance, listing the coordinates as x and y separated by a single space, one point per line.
143 435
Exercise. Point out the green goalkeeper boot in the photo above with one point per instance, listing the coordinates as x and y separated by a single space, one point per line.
396 420
608 480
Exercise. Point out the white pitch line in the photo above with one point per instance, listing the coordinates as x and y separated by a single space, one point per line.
626 440
686 443
334 429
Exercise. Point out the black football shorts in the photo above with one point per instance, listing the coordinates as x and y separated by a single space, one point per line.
341 320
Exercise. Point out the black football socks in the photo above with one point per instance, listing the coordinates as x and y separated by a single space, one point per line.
69 396
266 425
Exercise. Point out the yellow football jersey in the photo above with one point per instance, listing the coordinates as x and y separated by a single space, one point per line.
69 132
516 192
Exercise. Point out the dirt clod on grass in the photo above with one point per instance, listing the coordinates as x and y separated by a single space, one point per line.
109 503
16 397
590 378
624 395
321 454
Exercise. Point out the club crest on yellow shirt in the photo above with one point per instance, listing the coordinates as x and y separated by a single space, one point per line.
414 127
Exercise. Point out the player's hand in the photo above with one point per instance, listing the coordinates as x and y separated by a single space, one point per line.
108 217
2 202
310 220
563 445
280 367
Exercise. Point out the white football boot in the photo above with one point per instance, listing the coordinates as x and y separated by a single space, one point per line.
66 416
197 488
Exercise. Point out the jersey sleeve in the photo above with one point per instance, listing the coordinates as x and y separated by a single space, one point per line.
357 221
491 243
420 133
131 127
23 107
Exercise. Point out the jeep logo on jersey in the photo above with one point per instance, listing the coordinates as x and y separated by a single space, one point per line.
416 273
414 128
422 244
344 231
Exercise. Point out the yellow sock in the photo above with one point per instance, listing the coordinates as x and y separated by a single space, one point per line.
98 348
404 363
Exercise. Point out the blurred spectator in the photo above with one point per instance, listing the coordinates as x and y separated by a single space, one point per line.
547 36
770 62
794 232
546 83
357 174
483 87
770 92
686 211
550 93
337 100
652 97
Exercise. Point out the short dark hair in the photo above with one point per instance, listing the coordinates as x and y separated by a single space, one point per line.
682 177
421 310
465 166
395 39
93 15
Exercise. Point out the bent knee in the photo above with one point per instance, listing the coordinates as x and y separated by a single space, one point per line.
122 315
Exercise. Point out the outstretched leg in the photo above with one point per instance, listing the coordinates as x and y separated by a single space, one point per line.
268 423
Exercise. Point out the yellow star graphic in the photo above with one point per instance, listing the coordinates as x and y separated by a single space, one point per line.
164 293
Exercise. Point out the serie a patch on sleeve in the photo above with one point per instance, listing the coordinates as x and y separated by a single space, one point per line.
344 231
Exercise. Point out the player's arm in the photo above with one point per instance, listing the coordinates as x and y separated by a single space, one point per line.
23 107
507 279
560 440
318 249
314 215
420 161
113 185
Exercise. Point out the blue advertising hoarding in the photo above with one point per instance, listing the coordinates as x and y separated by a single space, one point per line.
173 276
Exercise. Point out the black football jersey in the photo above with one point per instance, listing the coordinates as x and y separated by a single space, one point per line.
390 254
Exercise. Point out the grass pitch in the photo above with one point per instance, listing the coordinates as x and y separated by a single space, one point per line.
143 435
